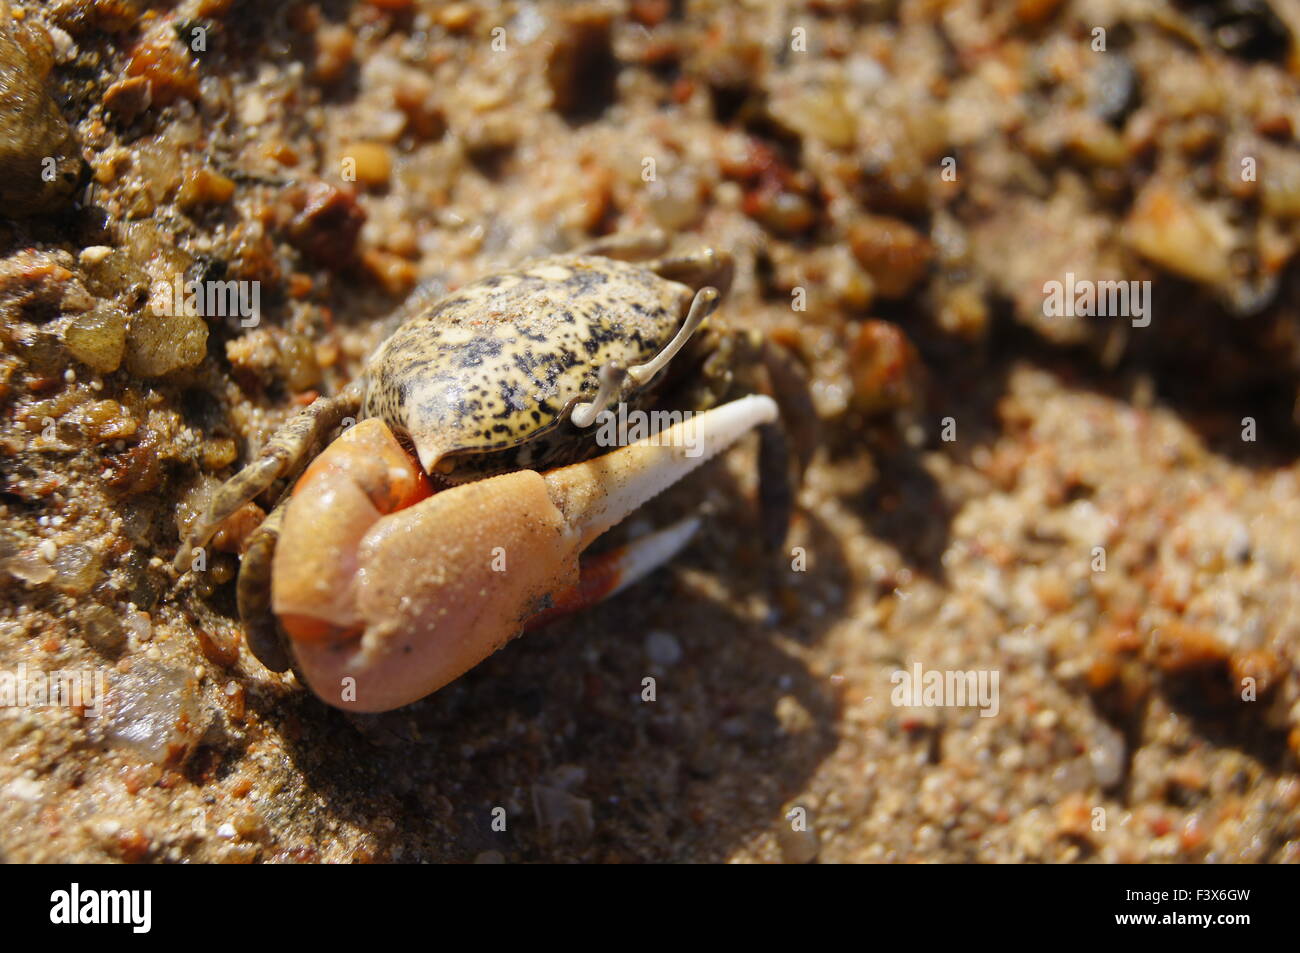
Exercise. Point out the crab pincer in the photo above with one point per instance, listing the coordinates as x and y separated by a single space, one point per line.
387 591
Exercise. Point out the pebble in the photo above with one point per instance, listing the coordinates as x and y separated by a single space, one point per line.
30 567
153 711
101 630
159 344
559 812
1106 755
662 648
798 846
252 108
24 789
94 254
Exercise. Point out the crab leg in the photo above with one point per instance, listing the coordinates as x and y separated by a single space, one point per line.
285 451
387 595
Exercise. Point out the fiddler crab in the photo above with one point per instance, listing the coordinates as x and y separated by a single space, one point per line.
451 515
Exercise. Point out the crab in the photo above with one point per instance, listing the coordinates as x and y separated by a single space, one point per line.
449 513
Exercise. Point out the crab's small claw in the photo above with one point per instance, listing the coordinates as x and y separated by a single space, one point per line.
387 596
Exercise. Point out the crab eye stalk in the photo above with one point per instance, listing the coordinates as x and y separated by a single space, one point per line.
612 376
703 304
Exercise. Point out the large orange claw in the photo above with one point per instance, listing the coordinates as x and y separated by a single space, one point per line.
389 593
